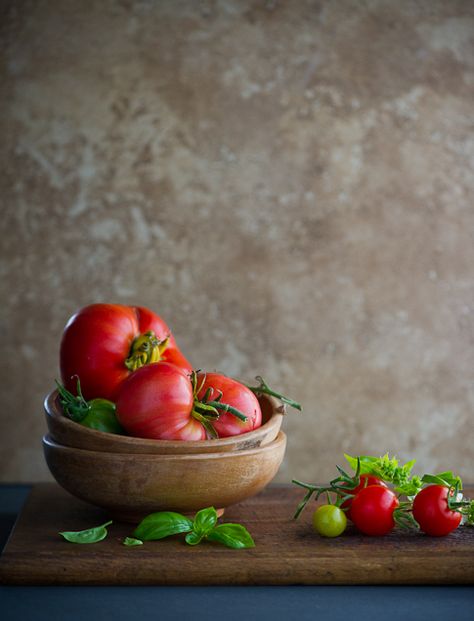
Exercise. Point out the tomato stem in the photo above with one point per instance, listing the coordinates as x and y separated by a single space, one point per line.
75 407
227 408
340 486
264 389
146 349
206 411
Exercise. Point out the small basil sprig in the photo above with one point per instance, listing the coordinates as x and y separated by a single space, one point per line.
204 526
90 535
388 469
131 542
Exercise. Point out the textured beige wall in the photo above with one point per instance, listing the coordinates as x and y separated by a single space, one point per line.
288 183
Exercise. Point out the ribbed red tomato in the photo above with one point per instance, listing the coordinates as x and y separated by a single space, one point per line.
232 393
157 401
431 511
103 343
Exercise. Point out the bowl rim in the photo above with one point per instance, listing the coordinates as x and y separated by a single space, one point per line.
52 409
124 457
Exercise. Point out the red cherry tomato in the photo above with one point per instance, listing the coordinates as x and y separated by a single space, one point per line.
431 511
156 401
103 343
234 394
365 481
372 510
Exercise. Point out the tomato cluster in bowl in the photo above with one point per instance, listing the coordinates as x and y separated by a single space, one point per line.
123 372
177 439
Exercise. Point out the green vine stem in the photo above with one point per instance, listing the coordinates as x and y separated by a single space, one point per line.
75 408
340 486
264 389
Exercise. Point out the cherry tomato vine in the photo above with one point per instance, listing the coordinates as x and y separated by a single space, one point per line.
382 493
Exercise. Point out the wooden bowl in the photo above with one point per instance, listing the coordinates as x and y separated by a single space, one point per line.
130 486
65 431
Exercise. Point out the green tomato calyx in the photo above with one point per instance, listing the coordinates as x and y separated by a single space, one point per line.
207 410
145 349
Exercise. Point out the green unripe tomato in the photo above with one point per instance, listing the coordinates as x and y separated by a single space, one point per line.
329 521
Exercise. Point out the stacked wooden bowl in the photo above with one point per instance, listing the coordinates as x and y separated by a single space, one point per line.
131 477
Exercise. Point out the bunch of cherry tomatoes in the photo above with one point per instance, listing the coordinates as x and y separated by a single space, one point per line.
382 494
122 372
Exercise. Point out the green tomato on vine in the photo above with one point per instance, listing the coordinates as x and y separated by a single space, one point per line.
329 521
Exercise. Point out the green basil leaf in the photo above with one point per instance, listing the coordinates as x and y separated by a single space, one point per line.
162 524
232 535
193 538
131 541
204 521
90 535
385 467
409 465
447 479
410 488
368 464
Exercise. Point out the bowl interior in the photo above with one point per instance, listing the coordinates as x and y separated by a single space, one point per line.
69 433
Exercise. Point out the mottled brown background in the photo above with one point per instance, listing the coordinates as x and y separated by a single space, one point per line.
288 183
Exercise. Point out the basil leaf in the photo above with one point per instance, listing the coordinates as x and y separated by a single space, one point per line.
90 535
367 463
131 541
447 479
232 535
385 467
193 538
162 524
204 521
410 488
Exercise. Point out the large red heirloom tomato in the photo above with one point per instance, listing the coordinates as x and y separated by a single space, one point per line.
103 344
157 402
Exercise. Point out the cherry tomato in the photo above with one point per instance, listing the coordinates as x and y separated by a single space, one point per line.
372 510
431 511
365 481
103 343
329 521
234 394
156 401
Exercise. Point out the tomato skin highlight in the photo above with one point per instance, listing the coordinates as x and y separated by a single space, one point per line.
365 481
236 395
372 510
97 341
329 521
156 402
431 511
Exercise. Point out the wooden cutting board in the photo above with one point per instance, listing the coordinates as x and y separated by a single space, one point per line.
287 552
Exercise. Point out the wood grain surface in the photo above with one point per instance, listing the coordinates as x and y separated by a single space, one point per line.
286 552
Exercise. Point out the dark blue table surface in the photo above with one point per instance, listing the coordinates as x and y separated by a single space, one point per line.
338 603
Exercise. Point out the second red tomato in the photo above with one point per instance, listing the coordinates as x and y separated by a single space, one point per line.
365 481
372 510
234 394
